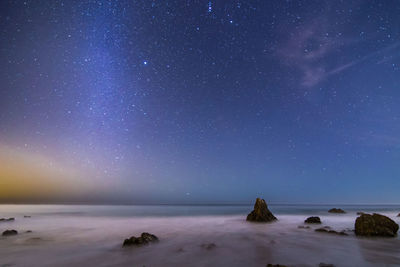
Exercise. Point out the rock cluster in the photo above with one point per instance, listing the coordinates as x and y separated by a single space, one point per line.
143 239
313 219
10 232
335 210
261 212
375 225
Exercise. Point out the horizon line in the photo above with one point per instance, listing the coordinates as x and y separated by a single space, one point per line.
195 204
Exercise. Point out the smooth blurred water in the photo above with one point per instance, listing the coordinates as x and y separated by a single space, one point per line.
182 210
82 235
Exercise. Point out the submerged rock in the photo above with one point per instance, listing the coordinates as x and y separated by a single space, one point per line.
275 265
313 219
143 239
27 216
326 265
209 246
10 232
7 220
261 212
360 213
398 215
326 230
375 225
303 227
335 210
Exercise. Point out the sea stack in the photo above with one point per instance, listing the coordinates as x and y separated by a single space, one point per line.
375 225
261 212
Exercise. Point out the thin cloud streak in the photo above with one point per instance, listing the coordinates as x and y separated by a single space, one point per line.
301 52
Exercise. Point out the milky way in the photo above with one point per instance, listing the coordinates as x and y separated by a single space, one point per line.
204 101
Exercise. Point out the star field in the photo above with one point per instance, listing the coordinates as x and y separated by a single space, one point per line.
206 101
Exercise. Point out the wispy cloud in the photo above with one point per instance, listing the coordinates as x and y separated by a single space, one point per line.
310 47
380 140
304 50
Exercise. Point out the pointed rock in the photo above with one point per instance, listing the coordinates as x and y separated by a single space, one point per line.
261 212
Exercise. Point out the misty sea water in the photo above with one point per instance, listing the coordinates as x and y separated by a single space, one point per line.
126 210
187 210
92 235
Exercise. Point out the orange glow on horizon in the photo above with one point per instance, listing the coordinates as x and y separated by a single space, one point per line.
26 176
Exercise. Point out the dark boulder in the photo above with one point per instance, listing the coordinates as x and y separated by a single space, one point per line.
375 225
313 219
261 212
398 215
326 265
143 239
335 210
275 265
10 232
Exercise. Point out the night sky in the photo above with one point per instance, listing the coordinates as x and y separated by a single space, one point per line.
200 101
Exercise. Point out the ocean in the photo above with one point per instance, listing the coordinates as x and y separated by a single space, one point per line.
84 235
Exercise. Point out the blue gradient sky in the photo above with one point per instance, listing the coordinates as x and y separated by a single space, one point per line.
200 101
